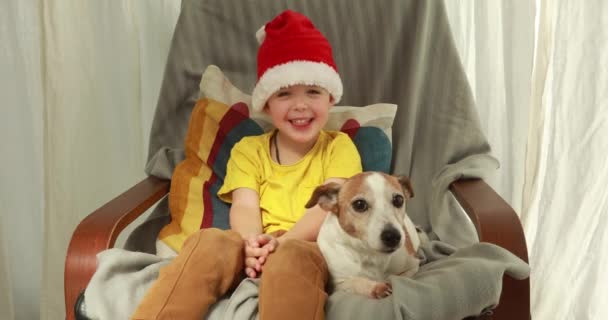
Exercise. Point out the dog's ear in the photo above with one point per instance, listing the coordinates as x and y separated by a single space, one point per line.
406 185
326 196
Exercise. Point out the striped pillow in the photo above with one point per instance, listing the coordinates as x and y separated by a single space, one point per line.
220 118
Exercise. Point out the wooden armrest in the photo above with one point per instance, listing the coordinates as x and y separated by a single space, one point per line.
99 230
496 222
494 219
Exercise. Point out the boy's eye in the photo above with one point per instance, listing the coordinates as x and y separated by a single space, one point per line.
314 91
283 94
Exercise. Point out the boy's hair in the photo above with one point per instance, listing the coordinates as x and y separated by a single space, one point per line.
292 51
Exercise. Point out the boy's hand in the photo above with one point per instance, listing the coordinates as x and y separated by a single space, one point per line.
257 249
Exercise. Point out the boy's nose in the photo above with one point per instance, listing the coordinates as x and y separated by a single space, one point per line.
300 104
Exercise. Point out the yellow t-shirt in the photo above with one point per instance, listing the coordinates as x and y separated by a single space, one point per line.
285 189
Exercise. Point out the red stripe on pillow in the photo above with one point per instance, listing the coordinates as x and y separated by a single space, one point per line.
350 127
207 221
235 115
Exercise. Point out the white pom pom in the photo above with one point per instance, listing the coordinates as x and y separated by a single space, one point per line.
261 34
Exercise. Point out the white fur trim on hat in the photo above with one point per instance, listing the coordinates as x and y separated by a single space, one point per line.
292 73
261 34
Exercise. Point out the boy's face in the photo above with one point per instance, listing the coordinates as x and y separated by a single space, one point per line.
299 111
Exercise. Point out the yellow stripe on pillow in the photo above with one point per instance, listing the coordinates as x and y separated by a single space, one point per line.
189 177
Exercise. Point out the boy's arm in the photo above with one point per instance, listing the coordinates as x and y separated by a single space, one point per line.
245 214
307 228
246 219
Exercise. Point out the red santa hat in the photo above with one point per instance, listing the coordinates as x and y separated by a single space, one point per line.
292 51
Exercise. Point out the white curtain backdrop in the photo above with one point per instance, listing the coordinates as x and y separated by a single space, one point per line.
21 146
79 82
539 76
496 43
566 199
104 62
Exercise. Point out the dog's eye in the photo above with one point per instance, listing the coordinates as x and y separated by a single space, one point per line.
359 205
398 201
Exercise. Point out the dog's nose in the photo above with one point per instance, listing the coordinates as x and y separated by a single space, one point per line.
390 236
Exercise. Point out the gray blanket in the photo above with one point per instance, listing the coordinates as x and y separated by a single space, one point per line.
451 284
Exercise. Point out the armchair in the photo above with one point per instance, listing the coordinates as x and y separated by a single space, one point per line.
403 54
494 219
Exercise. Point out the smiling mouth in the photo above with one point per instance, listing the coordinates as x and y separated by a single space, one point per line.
301 122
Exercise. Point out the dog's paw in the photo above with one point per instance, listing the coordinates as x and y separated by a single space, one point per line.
381 290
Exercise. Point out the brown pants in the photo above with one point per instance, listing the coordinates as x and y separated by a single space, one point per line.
211 262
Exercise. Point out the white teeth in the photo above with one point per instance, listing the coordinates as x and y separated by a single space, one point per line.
299 121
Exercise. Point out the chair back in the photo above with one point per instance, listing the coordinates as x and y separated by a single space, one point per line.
393 51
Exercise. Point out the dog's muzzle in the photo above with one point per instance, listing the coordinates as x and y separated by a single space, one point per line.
391 238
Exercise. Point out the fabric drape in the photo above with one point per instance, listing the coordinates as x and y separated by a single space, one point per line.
22 149
79 83
565 214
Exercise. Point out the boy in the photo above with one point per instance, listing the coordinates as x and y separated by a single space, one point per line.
269 179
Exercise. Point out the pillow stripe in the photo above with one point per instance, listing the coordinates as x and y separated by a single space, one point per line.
351 127
181 197
193 213
191 175
247 127
207 212
236 114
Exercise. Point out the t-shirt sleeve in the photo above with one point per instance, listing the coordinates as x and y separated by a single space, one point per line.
242 170
344 160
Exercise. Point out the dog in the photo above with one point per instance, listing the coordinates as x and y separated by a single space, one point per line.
367 234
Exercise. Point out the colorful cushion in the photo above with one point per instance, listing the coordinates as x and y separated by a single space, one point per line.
221 117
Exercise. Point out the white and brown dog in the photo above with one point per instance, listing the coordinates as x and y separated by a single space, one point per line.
367 236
